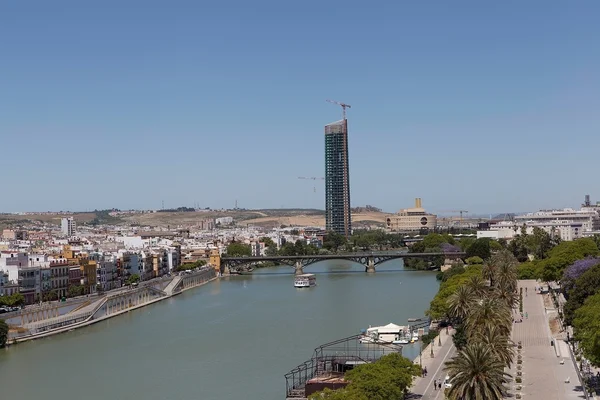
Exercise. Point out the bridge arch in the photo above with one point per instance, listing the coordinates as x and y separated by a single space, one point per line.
369 260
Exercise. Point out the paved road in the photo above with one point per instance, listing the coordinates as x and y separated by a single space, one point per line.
423 387
543 374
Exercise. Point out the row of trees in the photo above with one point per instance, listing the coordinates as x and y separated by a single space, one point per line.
436 243
15 299
552 266
191 266
481 310
389 378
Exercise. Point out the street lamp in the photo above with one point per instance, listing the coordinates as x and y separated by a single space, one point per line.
420 352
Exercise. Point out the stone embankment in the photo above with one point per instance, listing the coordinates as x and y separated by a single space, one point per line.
104 307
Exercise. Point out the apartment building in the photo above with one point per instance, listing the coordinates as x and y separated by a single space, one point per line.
68 226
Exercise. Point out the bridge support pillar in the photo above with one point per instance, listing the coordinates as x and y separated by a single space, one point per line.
370 267
299 268
226 270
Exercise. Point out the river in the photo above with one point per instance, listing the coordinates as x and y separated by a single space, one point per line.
230 339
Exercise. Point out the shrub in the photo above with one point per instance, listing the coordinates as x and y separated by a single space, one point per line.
519 379
519 373
519 361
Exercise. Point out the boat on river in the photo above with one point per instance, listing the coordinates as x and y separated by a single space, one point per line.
305 280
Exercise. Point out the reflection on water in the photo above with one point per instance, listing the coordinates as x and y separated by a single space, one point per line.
230 339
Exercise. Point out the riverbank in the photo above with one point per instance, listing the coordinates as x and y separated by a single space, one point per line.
109 307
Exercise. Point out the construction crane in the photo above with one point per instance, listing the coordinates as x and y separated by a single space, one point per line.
343 105
314 178
461 212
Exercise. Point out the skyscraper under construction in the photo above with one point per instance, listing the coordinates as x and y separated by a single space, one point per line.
337 177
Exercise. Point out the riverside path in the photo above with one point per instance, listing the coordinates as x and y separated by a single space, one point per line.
423 387
548 371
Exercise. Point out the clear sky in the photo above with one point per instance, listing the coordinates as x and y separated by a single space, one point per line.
482 106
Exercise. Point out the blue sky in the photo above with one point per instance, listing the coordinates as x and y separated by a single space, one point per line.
483 107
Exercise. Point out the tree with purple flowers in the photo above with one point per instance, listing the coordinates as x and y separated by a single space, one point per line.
585 285
575 270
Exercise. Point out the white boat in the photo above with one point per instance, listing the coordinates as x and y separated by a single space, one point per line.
390 333
415 336
305 280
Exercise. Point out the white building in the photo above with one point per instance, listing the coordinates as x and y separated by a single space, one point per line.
68 226
224 220
567 223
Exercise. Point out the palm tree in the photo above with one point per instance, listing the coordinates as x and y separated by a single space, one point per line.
506 296
507 277
489 272
506 268
478 287
476 374
501 346
486 313
460 302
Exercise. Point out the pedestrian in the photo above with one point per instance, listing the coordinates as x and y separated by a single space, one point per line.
440 385
425 369
435 384
526 315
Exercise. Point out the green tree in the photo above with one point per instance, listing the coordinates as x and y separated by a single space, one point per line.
15 299
237 249
477 374
134 278
438 307
539 243
76 290
268 241
460 302
474 260
386 379
486 313
271 251
3 333
189 266
477 286
495 246
480 248
588 284
586 327
455 269
333 241
460 338
494 338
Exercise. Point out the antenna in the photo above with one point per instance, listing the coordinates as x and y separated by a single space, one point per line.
343 105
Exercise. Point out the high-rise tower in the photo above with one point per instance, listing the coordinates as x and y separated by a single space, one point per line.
337 178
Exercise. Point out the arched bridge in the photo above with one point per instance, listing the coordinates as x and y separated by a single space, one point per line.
370 260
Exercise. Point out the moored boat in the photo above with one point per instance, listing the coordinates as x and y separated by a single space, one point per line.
390 333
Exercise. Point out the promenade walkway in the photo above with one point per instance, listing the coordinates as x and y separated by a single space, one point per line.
423 386
548 372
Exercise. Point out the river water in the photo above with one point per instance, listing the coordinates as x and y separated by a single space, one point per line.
230 339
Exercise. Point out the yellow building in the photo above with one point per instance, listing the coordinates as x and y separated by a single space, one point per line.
215 259
412 219
88 268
